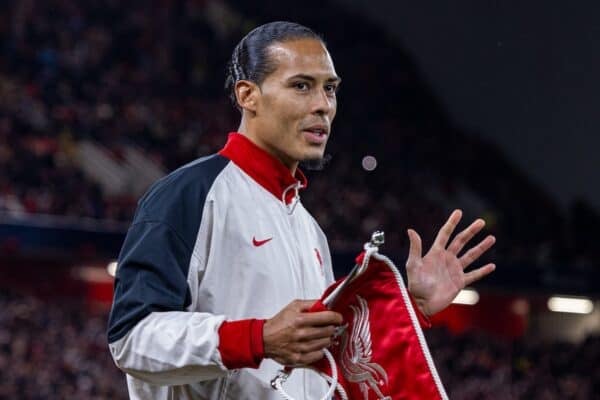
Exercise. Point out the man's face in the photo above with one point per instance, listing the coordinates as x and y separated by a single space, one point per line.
297 102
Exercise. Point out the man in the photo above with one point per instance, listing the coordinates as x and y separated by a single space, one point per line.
213 276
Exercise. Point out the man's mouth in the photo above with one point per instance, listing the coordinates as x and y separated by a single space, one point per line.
316 134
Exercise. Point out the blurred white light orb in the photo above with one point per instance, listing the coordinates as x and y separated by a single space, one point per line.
369 163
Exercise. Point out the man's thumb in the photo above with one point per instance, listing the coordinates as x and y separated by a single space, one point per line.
414 253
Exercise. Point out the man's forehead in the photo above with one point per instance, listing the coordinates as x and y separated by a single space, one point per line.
302 57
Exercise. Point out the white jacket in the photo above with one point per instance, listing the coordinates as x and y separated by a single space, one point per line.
212 242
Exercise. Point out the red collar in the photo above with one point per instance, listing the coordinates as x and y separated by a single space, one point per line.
265 169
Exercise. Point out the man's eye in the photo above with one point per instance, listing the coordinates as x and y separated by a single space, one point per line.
331 88
301 86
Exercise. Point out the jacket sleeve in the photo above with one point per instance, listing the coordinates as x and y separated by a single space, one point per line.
152 336
171 348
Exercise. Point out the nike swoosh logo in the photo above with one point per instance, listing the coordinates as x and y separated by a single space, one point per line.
258 243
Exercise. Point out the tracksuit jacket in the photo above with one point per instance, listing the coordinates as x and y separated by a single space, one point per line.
215 248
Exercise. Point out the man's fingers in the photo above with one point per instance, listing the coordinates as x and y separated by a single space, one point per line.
315 333
296 336
465 236
314 345
476 252
415 251
479 273
303 305
313 357
320 318
445 232
307 358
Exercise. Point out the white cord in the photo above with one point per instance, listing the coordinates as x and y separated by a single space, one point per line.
296 188
370 249
282 376
339 387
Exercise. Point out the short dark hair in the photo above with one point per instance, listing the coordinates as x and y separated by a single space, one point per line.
250 60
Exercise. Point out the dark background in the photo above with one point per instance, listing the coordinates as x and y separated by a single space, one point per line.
485 106
522 74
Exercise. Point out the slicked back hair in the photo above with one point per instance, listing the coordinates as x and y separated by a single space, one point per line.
250 59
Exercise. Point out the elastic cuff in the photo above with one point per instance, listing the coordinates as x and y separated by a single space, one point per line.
256 340
423 319
241 343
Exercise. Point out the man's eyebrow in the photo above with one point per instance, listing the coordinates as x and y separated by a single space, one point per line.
310 78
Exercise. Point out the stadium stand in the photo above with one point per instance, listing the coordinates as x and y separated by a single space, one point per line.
54 350
57 349
477 366
147 77
150 78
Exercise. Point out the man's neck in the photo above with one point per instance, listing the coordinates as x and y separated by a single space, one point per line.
248 132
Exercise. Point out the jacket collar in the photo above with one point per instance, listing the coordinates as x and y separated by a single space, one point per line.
261 166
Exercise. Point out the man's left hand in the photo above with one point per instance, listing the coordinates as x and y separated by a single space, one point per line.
435 279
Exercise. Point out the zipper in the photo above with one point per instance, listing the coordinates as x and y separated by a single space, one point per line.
299 266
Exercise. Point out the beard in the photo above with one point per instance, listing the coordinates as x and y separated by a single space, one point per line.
315 164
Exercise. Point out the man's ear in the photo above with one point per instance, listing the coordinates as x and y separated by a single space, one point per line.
246 94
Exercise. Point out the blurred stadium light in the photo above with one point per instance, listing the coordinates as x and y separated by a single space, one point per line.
575 305
111 268
467 297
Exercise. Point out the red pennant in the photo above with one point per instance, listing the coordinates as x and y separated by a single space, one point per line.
380 352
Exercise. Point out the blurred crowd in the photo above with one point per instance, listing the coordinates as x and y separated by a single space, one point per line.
475 366
54 350
57 350
116 73
151 74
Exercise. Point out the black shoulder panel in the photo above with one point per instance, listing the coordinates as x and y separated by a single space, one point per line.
154 260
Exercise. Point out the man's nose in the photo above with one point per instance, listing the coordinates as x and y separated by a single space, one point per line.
323 104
